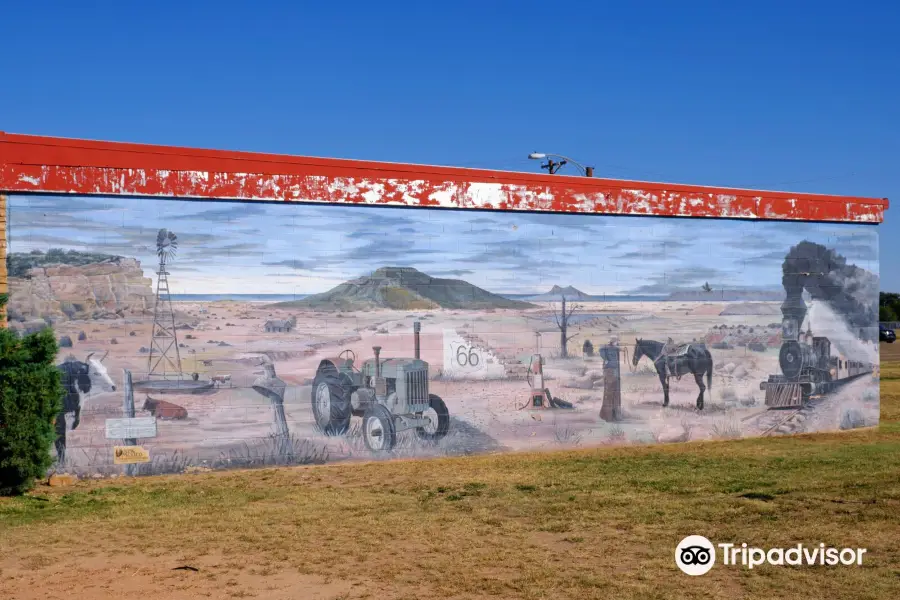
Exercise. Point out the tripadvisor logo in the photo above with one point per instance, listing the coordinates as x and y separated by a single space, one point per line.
696 555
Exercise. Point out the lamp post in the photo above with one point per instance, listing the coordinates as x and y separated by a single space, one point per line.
553 166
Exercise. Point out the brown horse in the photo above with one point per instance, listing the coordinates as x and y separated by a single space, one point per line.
697 361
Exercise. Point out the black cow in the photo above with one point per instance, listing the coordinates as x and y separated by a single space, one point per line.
78 379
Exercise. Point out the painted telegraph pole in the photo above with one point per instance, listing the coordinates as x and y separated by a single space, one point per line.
128 410
130 429
612 389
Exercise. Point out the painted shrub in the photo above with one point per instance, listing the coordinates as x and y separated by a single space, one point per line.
239 322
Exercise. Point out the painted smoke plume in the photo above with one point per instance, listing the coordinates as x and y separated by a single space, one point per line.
848 290
826 322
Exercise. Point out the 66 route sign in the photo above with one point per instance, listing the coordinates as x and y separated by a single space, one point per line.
466 356
468 359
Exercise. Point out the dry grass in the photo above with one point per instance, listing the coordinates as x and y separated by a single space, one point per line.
600 523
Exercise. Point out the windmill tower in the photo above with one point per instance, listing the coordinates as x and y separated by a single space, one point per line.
165 359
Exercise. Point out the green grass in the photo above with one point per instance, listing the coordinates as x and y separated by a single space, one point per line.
598 523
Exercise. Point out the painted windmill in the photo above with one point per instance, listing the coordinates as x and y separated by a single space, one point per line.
165 359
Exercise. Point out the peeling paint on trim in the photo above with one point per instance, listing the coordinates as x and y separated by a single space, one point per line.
55 165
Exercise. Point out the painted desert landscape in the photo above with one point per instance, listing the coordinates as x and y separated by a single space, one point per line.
249 291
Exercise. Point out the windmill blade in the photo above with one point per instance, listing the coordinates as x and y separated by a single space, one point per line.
165 238
166 244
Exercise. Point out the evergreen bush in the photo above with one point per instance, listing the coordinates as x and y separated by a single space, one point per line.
30 398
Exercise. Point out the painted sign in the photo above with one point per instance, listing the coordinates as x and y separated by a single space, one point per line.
466 357
129 455
130 429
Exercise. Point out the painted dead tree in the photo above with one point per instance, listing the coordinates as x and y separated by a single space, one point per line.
562 318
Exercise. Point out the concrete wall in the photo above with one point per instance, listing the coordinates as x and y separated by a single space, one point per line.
487 290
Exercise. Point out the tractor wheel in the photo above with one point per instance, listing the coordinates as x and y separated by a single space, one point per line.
439 416
378 429
331 403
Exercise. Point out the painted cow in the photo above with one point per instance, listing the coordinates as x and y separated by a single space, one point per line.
79 379
164 410
221 379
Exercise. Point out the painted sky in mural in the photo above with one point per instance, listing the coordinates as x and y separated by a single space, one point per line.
304 249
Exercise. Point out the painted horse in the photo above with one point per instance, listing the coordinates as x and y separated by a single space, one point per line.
78 379
693 358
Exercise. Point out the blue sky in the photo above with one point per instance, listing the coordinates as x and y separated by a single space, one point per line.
232 248
799 96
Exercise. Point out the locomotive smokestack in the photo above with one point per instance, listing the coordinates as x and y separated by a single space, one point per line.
794 307
417 326
377 350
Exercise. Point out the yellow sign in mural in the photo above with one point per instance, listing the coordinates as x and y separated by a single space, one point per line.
126 455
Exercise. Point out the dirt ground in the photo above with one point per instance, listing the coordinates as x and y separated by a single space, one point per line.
149 575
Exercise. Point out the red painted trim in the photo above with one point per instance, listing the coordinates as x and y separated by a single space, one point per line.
70 166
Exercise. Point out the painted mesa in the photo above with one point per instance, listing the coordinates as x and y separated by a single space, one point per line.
260 334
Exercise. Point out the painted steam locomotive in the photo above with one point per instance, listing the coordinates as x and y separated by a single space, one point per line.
808 368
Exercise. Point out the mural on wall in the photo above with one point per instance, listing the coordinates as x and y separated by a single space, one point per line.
287 334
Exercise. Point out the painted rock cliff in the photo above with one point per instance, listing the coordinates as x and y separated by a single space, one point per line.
116 287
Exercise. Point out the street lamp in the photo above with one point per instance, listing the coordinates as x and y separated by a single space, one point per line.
553 166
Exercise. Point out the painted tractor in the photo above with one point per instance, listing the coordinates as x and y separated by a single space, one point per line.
391 395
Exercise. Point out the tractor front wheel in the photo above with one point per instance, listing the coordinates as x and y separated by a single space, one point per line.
378 429
439 418
331 403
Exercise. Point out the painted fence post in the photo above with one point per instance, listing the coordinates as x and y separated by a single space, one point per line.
128 409
612 391
270 386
